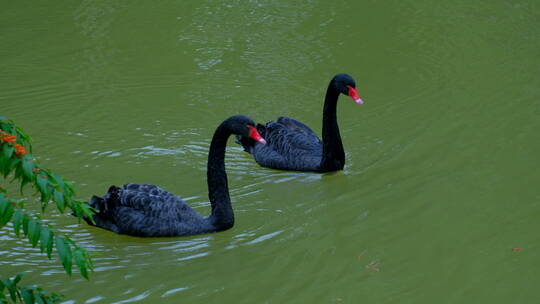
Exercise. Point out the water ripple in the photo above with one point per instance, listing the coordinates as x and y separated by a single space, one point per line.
173 291
264 237
136 298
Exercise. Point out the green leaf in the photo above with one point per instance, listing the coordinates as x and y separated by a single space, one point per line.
28 169
42 184
39 300
25 224
6 212
59 199
82 210
58 180
24 182
17 221
77 210
64 251
7 151
69 191
44 239
13 163
8 127
80 260
5 164
18 277
50 244
11 288
27 296
18 172
34 232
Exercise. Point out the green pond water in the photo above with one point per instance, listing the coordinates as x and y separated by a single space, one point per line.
442 175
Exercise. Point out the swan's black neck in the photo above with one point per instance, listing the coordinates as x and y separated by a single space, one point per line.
333 157
222 216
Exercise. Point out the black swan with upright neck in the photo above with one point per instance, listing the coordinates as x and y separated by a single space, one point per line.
294 146
149 211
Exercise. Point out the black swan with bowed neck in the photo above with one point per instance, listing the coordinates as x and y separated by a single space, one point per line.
294 146
149 211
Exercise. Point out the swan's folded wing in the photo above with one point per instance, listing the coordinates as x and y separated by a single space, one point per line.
150 199
288 149
295 125
284 139
148 210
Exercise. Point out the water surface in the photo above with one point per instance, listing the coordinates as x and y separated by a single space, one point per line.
442 162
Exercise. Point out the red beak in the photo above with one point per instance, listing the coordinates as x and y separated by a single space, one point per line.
354 95
253 133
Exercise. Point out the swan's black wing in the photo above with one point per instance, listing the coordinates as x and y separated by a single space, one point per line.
295 125
146 210
291 145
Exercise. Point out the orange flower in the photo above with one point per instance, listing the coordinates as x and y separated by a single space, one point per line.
19 150
9 138
36 170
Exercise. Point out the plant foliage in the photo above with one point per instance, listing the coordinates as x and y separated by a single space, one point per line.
16 160
25 294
